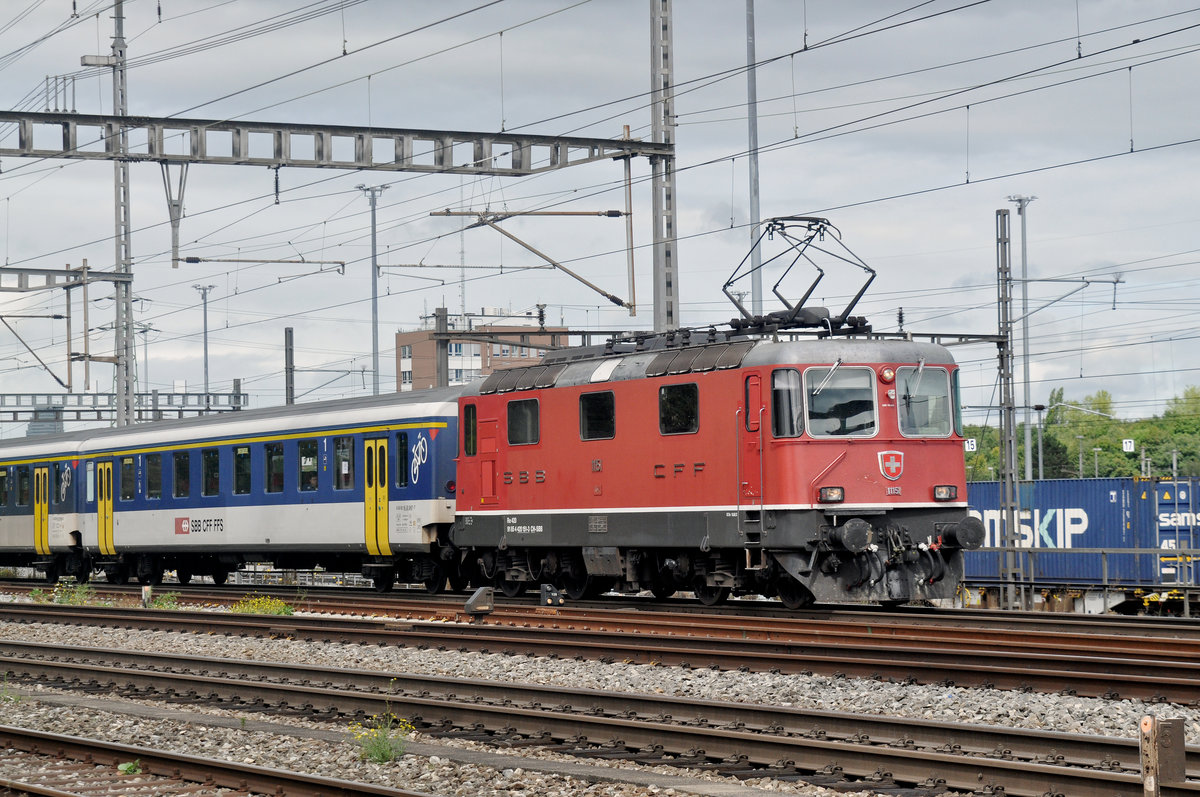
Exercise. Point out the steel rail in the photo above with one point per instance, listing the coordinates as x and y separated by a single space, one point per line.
913 751
179 766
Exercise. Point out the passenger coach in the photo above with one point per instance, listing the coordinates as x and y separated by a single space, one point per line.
362 485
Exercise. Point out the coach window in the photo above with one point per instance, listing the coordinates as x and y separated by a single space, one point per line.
210 471
523 426
679 408
787 404
470 430
3 487
308 465
402 458
597 416
128 479
241 470
841 401
273 457
181 487
154 476
22 485
343 463
923 401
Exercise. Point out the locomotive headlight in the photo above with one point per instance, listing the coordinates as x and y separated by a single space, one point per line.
831 495
887 374
945 492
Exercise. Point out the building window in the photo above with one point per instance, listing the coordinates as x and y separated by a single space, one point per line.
406 377
343 463
210 471
597 416
241 470
458 375
182 486
679 408
154 476
308 465
273 459
456 349
406 352
128 479
787 405
523 426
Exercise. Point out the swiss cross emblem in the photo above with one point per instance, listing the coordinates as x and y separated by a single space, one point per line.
891 464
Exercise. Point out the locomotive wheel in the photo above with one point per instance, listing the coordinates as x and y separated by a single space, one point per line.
662 590
710 596
436 584
792 593
511 589
577 589
459 582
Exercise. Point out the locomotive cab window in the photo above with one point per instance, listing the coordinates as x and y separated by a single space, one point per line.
128 479
597 416
679 408
154 480
343 463
841 401
923 401
470 430
182 486
308 465
787 404
210 471
523 426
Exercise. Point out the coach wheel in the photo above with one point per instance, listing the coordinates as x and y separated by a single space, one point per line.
83 573
792 593
436 584
117 574
511 589
219 577
52 571
183 575
152 577
710 596
384 581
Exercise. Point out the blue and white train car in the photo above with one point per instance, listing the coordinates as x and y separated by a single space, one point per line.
361 485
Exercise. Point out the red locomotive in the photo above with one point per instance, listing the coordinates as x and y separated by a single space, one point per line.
827 468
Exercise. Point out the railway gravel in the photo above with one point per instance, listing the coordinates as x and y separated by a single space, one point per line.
448 775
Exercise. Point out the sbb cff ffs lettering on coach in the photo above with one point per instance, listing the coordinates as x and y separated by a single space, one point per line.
824 467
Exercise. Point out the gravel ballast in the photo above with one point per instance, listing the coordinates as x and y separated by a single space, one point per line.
465 768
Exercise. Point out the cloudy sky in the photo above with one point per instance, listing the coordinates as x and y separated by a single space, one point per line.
907 124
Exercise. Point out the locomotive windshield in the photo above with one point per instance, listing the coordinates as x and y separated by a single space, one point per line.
841 401
923 401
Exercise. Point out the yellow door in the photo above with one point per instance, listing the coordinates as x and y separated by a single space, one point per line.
41 510
104 506
375 496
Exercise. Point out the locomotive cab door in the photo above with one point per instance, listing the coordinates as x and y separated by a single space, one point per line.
104 507
41 510
750 445
375 497
487 460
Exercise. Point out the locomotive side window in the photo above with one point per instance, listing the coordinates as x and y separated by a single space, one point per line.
154 476
923 401
210 471
841 401
22 485
402 456
957 405
273 472
308 465
182 487
523 428
128 479
787 404
470 430
343 463
679 408
241 470
597 416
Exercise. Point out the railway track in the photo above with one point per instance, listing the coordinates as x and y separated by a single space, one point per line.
734 738
36 763
1085 664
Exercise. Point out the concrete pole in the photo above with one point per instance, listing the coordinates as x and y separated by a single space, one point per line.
756 289
1022 204
204 289
373 193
